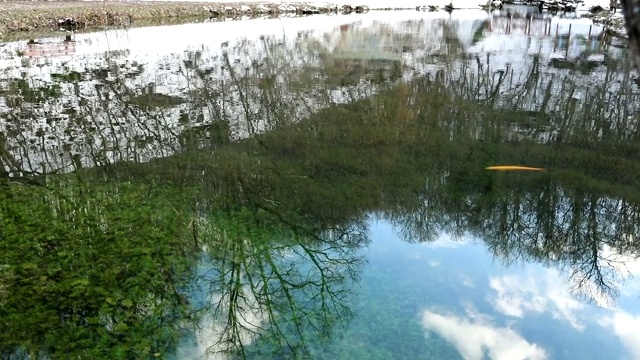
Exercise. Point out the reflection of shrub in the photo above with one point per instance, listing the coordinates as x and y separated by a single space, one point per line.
584 66
206 136
156 100
351 71
596 9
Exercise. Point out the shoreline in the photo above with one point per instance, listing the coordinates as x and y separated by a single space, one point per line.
22 19
30 19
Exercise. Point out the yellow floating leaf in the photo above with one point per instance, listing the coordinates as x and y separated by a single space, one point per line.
513 168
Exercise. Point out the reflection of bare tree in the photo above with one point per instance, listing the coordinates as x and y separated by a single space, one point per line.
118 110
580 234
582 217
588 237
283 285
92 129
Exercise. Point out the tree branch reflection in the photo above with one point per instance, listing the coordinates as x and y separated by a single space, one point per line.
282 284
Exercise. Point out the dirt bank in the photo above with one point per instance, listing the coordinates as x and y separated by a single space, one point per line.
26 17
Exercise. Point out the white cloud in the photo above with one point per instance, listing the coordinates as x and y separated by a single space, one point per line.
476 338
625 326
516 295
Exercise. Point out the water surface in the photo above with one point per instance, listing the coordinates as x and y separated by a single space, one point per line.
316 188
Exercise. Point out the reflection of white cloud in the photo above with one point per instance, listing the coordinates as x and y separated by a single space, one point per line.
626 267
517 295
446 241
475 339
625 326
434 263
213 337
544 291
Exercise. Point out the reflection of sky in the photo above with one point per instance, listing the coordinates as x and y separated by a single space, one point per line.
486 309
177 38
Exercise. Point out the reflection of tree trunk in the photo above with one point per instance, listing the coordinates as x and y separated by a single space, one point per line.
497 87
591 269
243 99
6 159
297 287
632 21
547 96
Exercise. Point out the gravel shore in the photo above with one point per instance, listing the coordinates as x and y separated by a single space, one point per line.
26 18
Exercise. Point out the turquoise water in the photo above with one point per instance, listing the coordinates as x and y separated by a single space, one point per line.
454 299
461 294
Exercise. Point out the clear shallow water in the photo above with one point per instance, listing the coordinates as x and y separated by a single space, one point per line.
454 298
316 188
481 306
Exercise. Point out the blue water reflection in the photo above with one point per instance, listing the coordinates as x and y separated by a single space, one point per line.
459 294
